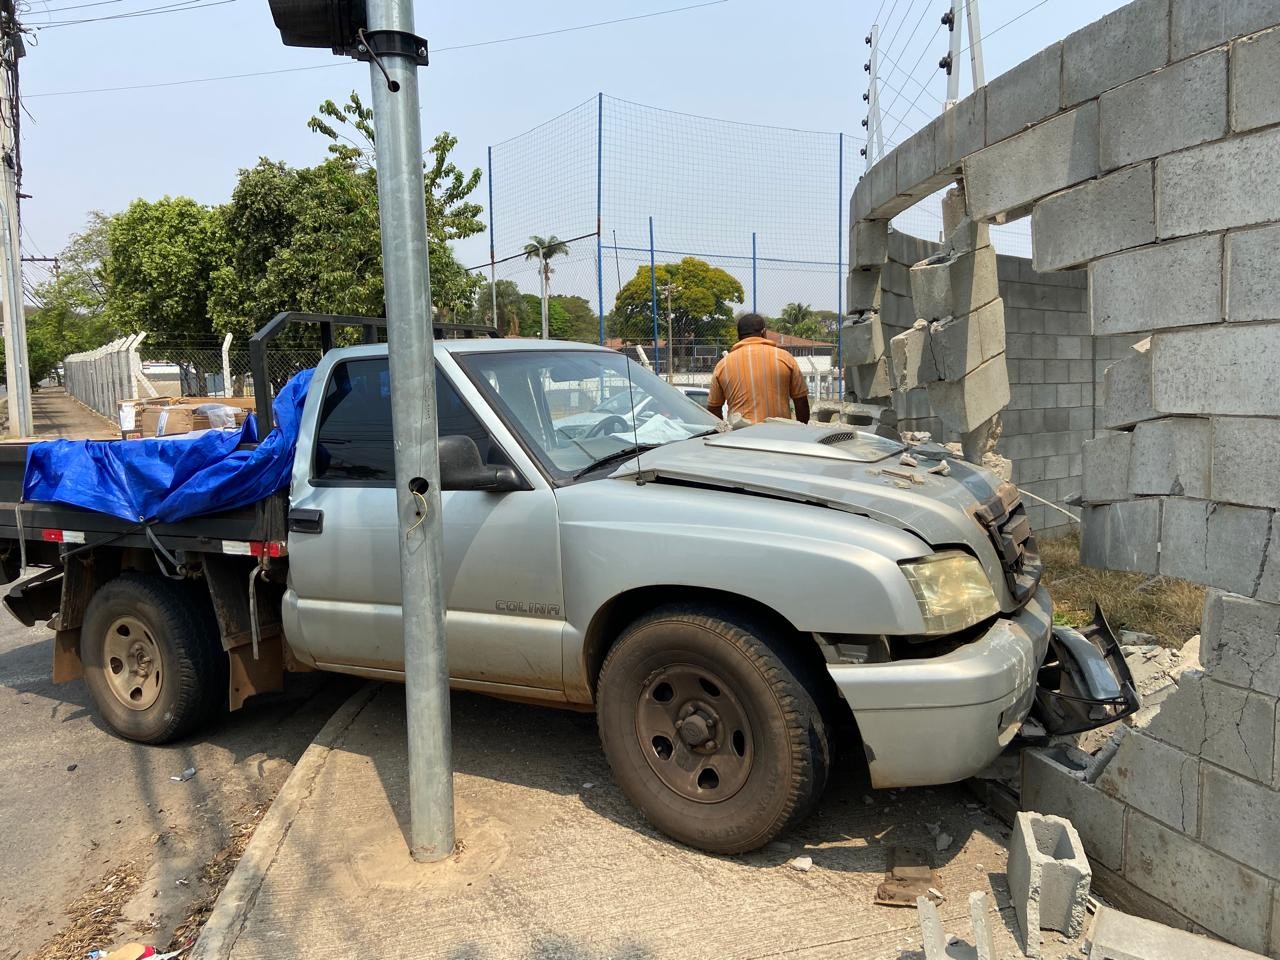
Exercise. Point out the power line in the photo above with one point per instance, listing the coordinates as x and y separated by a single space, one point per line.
76 6
328 66
910 75
923 89
916 29
1006 23
181 7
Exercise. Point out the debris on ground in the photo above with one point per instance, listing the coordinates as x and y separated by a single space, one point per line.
94 915
1118 936
213 878
943 841
935 940
803 864
907 878
1049 877
186 775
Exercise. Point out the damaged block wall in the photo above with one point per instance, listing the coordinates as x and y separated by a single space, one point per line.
1146 149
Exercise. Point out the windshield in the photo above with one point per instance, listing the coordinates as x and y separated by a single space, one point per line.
576 408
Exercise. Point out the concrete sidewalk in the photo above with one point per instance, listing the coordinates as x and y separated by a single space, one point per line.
553 861
55 413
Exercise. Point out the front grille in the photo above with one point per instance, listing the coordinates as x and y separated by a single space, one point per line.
1005 519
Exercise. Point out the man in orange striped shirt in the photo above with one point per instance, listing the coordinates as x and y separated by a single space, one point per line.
758 379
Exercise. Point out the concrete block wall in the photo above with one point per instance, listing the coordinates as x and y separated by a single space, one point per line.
1146 149
1055 371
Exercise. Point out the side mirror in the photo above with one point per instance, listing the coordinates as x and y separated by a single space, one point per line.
462 469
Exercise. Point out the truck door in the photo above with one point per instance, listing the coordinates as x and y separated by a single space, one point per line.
502 576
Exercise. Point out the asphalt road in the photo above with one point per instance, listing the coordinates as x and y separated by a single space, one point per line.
78 805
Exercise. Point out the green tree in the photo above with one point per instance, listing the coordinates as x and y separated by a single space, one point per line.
543 249
510 308
581 322
558 320
161 256
799 320
701 296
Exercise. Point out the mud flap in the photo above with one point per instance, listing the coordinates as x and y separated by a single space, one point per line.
1084 682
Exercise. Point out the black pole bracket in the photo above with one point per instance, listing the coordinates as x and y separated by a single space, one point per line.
395 43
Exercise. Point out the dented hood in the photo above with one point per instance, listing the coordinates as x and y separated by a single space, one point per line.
837 467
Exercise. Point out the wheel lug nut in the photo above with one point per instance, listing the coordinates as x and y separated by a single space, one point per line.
711 745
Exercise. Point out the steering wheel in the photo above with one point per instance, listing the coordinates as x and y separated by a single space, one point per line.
610 424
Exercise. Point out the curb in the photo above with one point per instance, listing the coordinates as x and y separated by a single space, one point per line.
231 910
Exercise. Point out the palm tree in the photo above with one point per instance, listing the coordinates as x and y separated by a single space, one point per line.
543 250
794 314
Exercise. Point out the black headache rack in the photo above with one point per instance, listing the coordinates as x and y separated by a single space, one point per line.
328 322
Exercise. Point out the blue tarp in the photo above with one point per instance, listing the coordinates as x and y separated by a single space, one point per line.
168 479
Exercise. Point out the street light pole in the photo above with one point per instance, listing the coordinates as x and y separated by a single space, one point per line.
407 281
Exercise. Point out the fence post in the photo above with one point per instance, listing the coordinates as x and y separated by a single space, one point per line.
135 360
226 365
840 241
753 271
653 300
599 203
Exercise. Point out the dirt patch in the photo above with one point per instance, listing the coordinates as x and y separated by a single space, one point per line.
1165 607
94 916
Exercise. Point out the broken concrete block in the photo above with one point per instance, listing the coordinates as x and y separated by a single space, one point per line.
935 938
1241 642
1049 877
965 404
1106 468
1118 936
951 285
1225 725
1157 779
1126 389
1216 544
862 341
870 381
980 918
1171 457
961 343
1051 787
863 290
913 364
868 243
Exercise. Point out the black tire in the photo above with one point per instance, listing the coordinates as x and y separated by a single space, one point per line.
764 716
187 674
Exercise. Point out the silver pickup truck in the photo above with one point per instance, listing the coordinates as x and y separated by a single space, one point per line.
725 601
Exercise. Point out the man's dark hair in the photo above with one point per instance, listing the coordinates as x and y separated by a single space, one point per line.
750 325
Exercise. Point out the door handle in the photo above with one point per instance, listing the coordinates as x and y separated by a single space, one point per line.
303 520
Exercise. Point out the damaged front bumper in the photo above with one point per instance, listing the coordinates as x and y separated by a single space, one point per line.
942 719
1084 681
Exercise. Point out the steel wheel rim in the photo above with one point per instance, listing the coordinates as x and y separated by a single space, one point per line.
694 733
132 663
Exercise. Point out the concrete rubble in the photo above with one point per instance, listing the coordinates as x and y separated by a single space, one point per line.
1118 936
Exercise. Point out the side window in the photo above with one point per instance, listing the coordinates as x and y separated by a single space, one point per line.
353 444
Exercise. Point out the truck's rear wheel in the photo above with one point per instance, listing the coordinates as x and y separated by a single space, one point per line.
709 728
152 659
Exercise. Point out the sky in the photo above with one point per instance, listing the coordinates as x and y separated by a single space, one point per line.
796 65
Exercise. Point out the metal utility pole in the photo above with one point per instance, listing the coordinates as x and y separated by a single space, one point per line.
671 343
960 10
57 264
15 327
396 52
874 148
542 279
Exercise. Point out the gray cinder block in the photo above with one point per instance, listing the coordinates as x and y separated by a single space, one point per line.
1048 157
960 131
1049 787
1094 219
1245 461
1228 369
960 344
1106 468
1171 457
870 381
1157 287
1179 106
862 341
1240 642
1126 388
1253 273
1216 186
913 364
1255 77
863 290
965 404
951 285
1217 544
1024 95
915 160
1049 877
1118 936
931 932
868 243
1122 535
1156 778
1200 24
1128 43
980 918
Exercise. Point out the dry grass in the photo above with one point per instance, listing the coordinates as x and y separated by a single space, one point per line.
213 878
94 916
1165 607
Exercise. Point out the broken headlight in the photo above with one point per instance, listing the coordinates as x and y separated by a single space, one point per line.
952 590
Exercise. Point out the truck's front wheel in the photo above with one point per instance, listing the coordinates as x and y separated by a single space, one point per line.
710 729
152 660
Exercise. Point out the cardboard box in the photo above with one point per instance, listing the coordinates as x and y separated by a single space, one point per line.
179 418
